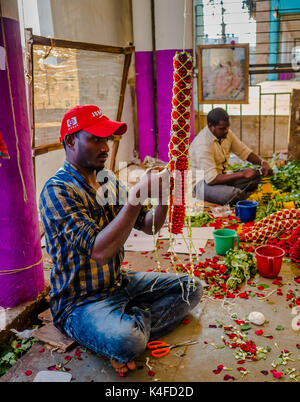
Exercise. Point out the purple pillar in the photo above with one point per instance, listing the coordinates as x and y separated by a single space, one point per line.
21 266
145 104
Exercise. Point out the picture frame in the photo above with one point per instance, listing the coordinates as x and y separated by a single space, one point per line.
223 73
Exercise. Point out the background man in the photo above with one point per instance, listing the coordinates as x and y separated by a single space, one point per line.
210 152
110 312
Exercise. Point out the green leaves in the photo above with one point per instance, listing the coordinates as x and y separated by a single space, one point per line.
11 352
240 266
198 220
287 178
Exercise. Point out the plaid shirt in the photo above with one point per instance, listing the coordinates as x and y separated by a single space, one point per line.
73 213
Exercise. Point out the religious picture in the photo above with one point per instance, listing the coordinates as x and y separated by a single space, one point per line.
223 73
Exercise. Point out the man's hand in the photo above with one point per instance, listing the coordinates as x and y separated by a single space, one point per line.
249 173
266 169
151 185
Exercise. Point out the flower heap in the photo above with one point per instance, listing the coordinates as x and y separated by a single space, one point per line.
179 142
245 349
295 253
289 244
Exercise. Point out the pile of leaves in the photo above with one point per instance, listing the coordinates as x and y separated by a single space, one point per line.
223 280
241 265
12 351
198 220
287 178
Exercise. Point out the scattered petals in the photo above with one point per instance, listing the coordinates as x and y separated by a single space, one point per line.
259 332
151 373
28 372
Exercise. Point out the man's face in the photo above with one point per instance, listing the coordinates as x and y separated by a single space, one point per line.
91 152
220 130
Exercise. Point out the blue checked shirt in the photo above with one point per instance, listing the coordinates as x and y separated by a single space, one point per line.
73 213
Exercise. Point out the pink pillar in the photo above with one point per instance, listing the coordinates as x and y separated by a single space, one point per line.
21 267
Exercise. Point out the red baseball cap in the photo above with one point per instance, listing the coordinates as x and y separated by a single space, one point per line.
91 119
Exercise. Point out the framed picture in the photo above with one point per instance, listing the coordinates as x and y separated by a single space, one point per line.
223 73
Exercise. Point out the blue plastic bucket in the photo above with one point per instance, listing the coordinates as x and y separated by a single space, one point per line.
246 210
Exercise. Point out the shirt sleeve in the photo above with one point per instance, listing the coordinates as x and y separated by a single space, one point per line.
65 211
239 148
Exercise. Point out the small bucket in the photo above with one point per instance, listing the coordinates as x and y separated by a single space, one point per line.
225 240
246 210
269 260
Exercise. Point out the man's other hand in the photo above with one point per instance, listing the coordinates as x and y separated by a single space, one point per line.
250 173
266 169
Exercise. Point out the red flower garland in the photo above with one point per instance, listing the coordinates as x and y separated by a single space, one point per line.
179 142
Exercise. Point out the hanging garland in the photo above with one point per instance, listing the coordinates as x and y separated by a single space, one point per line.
179 142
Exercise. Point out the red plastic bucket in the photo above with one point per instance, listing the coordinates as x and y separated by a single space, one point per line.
269 260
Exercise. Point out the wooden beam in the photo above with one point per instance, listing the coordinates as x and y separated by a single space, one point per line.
41 40
294 127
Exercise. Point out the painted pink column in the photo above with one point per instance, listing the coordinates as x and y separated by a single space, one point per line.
21 267
170 30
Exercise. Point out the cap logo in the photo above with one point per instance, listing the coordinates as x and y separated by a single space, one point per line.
97 113
71 123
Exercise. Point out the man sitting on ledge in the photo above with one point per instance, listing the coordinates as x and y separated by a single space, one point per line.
210 151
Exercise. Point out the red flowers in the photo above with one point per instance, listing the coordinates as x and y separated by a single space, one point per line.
180 132
276 374
218 369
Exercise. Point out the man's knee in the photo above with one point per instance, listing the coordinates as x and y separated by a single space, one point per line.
193 289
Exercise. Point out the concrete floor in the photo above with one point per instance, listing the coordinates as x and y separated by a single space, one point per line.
191 363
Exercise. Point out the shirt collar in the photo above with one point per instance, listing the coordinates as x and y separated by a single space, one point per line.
210 135
73 171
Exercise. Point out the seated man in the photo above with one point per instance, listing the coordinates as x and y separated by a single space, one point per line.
111 312
210 151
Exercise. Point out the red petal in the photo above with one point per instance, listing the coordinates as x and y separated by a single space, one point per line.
228 377
151 373
28 372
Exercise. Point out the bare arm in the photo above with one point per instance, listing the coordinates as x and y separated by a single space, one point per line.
255 159
248 173
109 241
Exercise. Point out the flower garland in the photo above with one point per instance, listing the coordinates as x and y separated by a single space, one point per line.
272 226
179 142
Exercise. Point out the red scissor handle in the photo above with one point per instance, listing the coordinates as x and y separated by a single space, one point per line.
156 344
160 352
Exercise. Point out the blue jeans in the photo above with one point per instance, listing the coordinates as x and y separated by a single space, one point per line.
147 306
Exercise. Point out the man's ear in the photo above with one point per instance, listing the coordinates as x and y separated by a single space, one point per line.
70 141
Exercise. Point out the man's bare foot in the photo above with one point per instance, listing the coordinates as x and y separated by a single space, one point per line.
123 367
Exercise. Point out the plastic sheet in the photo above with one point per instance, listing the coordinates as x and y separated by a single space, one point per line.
64 78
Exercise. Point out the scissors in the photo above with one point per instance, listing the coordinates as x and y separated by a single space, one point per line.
161 348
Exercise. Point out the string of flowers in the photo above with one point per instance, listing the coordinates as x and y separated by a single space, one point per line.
178 150
179 141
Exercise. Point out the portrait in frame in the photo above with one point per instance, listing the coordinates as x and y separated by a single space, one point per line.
223 73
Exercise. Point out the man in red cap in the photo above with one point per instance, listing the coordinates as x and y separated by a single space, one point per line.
87 221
